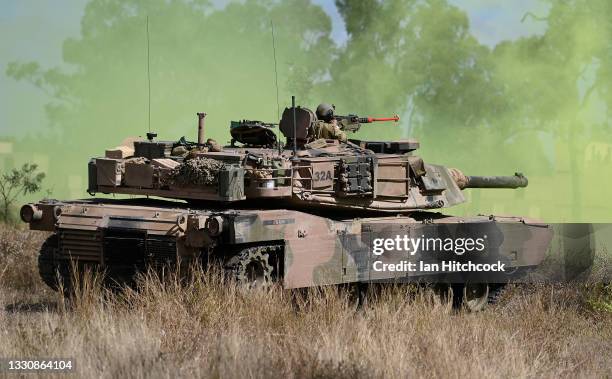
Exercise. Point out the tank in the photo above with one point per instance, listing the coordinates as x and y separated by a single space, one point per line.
302 212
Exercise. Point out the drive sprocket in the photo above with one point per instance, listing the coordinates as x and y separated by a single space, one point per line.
47 265
251 266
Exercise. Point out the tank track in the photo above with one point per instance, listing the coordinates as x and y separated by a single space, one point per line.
47 266
493 295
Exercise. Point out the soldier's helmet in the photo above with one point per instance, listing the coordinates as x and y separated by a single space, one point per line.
325 112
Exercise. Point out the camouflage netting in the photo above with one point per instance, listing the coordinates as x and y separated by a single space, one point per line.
198 171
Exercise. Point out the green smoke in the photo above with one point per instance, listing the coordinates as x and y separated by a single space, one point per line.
538 104
201 59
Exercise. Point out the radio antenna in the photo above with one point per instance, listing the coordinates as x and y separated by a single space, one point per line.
294 130
275 70
148 74
276 84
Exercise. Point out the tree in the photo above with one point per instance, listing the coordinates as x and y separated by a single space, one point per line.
518 100
18 182
419 59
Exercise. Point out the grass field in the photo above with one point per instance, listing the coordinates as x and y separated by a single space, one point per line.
204 327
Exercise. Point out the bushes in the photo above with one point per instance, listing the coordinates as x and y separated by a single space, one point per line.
15 183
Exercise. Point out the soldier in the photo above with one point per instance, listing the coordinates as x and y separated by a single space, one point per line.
326 126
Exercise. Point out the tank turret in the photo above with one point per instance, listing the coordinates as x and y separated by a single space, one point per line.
384 176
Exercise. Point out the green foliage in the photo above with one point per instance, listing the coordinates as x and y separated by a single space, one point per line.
18 182
600 297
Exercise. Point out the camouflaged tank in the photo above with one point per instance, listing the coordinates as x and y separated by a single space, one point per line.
302 213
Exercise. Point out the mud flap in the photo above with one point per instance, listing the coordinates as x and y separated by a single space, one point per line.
572 250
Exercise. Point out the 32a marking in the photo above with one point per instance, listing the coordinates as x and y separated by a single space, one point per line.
321 176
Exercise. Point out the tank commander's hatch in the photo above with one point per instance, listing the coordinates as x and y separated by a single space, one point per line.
304 119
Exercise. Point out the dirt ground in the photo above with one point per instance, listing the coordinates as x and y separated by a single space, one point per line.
207 328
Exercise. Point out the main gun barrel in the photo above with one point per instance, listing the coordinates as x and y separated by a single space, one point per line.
518 180
515 181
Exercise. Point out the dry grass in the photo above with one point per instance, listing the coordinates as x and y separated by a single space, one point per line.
19 258
205 327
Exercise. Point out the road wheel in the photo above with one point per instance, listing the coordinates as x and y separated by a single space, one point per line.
475 296
495 292
251 267
357 294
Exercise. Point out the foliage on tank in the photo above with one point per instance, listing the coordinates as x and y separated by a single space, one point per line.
197 171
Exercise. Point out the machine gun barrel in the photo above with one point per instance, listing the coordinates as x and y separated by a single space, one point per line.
375 119
518 180
352 122
365 120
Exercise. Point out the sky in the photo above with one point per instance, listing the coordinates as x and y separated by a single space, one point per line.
35 30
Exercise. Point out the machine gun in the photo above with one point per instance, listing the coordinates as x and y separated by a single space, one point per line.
352 123
188 144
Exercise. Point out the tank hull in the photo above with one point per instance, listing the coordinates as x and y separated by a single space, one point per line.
302 249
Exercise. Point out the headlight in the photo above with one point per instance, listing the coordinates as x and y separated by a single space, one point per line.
30 213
